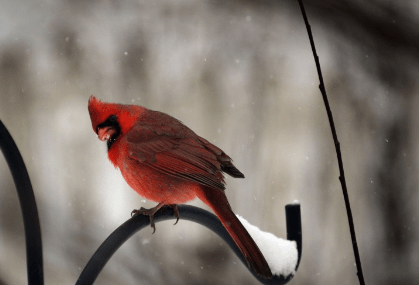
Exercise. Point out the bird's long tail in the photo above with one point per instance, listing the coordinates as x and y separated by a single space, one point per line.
217 201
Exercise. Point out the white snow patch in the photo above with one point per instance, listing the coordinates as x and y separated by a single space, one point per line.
281 255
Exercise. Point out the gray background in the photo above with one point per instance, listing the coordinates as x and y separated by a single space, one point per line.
240 74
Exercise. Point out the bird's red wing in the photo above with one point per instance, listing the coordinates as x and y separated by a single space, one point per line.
176 152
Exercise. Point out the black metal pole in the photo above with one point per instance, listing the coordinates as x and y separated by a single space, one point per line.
294 228
28 206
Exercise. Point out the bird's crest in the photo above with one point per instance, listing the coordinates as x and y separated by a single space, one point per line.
127 115
99 111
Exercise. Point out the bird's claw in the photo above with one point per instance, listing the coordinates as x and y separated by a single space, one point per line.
150 213
146 212
174 206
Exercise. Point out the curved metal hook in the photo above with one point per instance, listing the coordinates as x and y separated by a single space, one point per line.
191 213
27 205
125 231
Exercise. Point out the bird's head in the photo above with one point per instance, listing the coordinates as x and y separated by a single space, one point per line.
110 120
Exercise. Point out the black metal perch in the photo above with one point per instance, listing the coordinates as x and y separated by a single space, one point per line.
125 231
194 214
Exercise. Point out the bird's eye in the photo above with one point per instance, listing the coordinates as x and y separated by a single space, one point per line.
112 118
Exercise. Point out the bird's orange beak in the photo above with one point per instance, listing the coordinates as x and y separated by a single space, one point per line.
105 133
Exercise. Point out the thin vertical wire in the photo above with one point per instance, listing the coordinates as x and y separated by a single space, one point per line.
337 147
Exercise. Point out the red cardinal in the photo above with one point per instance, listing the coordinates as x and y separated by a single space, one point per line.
166 162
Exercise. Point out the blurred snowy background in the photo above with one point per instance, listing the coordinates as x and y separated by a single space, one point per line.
241 74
